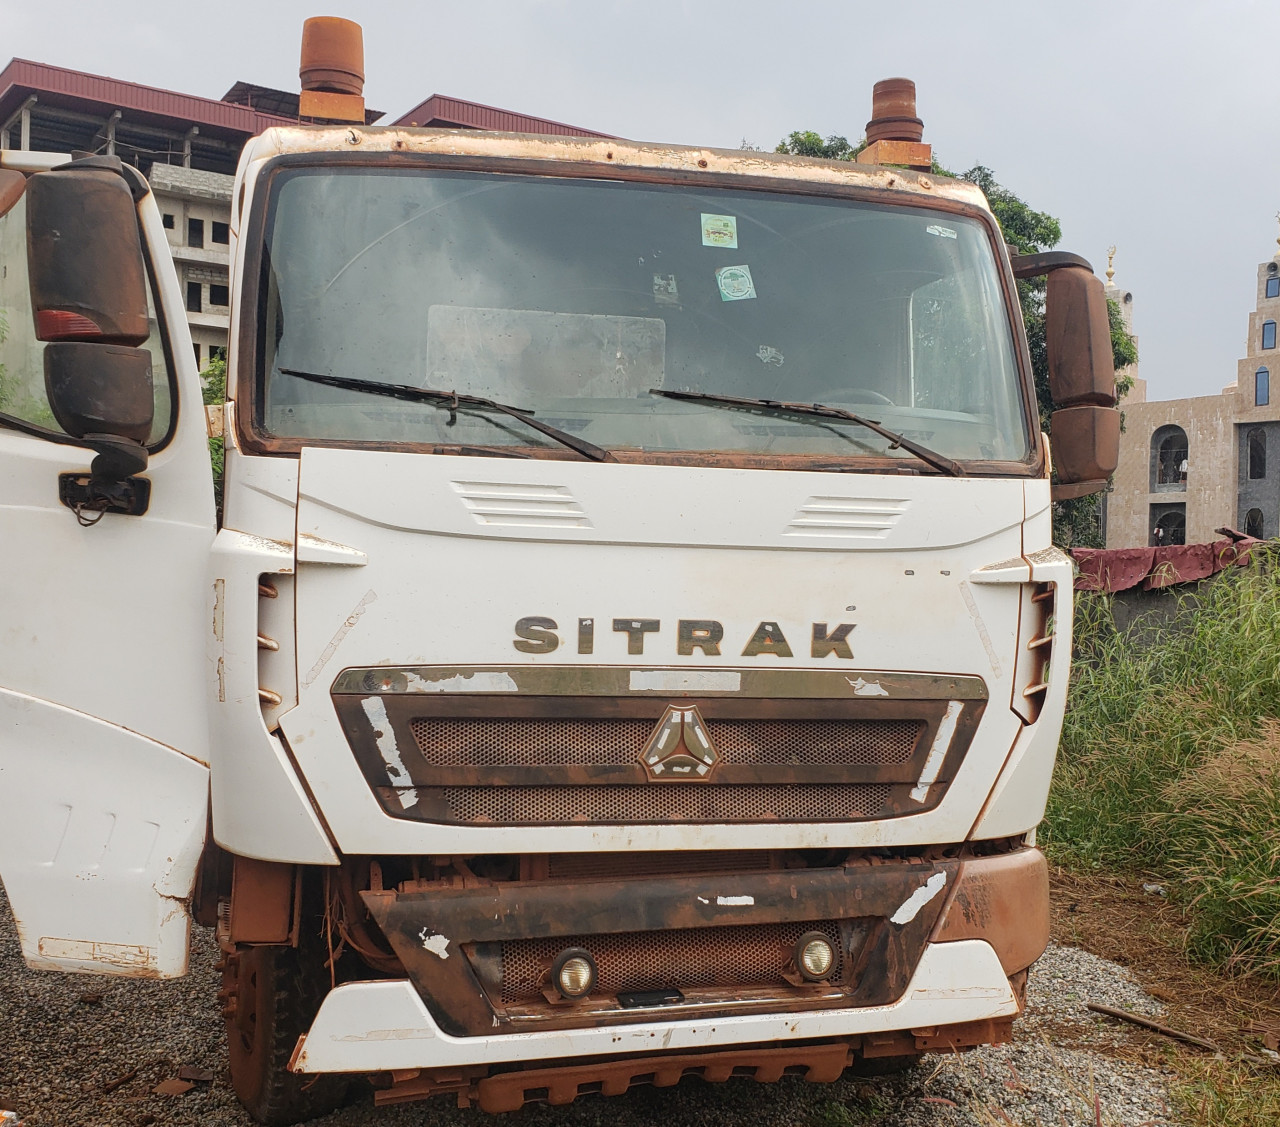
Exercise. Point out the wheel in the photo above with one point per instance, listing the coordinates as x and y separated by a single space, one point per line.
855 395
273 995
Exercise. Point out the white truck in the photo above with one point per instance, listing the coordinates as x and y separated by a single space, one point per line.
632 645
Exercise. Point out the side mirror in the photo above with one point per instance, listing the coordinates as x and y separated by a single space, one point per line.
1085 428
89 298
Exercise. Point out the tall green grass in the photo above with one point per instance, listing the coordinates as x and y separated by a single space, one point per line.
1170 758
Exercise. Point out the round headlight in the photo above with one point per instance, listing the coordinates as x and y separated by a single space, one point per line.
574 972
815 956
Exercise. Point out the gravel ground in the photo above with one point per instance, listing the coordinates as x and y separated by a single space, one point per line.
64 1039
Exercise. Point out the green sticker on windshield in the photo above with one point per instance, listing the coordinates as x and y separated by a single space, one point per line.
719 231
735 283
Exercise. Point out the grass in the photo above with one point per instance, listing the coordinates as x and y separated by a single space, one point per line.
1170 759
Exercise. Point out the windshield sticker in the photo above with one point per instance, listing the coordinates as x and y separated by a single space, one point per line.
941 232
719 231
769 355
735 283
665 291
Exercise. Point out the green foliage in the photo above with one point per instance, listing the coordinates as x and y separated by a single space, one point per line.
214 389
4 390
810 144
1170 757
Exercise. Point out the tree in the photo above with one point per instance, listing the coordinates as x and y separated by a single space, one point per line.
1076 522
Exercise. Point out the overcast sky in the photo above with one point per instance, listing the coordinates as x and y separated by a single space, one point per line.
1150 125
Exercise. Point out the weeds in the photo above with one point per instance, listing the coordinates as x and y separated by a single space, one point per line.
1170 759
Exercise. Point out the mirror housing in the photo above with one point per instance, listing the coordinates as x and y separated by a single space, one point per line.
1078 340
1086 444
1082 380
84 257
102 394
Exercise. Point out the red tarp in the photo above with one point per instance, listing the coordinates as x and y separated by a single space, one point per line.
1119 569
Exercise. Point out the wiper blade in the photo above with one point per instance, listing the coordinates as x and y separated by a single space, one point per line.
820 411
448 400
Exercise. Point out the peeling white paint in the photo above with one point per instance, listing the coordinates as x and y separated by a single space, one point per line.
483 681
735 901
863 688
437 944
912 904
385 737
937 751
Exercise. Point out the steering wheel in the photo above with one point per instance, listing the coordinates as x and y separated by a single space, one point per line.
855 395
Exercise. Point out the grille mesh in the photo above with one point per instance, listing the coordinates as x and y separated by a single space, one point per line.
666 802
686 958
520 741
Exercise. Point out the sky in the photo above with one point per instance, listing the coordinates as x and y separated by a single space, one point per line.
1149 125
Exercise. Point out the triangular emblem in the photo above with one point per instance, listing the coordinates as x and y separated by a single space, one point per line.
680 748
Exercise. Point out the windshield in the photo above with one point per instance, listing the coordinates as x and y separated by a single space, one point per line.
573 299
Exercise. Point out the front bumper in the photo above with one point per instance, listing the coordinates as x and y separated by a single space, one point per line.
385 1026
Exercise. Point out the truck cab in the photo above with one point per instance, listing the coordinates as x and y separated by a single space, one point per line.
631 644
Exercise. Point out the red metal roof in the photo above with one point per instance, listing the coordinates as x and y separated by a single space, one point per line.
442 112
59 86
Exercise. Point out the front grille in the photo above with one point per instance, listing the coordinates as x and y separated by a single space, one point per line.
516 741
682 959
666 802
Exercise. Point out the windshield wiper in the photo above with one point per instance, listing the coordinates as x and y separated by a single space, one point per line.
819 411
451 400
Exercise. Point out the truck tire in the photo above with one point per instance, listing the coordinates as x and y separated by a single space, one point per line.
276 991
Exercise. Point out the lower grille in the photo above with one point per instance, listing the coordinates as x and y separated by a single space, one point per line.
668 802
683 959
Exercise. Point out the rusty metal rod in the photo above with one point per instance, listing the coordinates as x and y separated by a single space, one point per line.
1155 1027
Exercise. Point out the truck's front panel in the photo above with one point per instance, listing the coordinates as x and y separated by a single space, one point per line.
603 645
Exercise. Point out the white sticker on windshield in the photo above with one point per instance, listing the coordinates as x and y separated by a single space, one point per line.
719 231
735 283
941 232
769 355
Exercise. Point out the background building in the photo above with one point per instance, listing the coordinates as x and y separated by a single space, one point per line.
1191 466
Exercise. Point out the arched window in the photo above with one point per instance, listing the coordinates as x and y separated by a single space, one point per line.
1268 334
1261 387
1168 459
1257 454
1171 528
1253 523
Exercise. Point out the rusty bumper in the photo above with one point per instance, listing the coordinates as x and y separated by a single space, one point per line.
713 943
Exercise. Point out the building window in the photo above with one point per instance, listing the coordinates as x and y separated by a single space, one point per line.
218 295
217 352
167 220
193 297
195 238
1168 525
1169 460
1253 523
220 232
1273 287
1261 387
1268 334
1257 454
197 348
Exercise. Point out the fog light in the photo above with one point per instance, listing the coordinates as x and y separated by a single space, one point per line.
815 957
574 972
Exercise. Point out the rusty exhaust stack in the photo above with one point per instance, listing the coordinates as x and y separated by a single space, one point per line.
332 70
894 131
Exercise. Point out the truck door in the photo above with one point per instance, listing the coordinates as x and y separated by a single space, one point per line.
106 520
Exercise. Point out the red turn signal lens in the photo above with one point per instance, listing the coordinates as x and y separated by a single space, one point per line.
58 324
